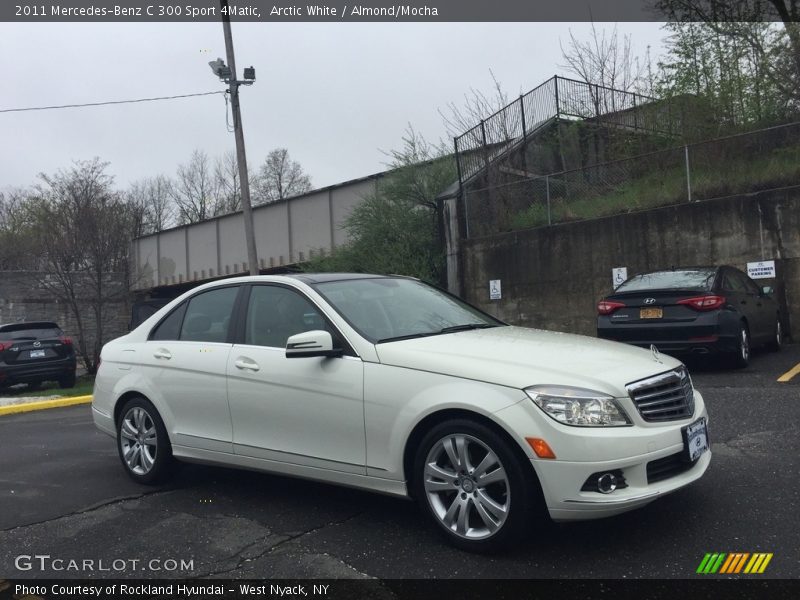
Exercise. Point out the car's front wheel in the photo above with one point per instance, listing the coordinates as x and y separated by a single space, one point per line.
777 341
142 441
472 484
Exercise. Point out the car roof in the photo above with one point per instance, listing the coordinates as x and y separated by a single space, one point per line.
311 278
28 325
688 268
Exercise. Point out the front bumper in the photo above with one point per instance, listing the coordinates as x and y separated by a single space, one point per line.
581 452
566 502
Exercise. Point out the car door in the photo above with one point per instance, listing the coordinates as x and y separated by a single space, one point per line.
764 310
304 411
185 359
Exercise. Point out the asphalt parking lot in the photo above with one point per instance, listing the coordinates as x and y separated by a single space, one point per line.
63 494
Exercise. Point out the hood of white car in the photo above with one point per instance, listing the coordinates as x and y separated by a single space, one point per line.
520 357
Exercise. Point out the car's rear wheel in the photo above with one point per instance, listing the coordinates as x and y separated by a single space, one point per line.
741 357
777 340
67 381
142 441
472 484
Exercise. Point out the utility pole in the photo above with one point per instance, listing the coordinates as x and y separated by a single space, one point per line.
241 158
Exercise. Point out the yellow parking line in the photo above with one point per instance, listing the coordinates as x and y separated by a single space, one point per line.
55 403
790 373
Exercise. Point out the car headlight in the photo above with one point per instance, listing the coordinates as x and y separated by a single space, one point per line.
577 406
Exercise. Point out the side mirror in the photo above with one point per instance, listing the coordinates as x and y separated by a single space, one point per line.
766 290
311 343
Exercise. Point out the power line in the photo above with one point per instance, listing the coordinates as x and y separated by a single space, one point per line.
6 110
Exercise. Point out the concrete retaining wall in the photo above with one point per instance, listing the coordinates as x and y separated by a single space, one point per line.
553 276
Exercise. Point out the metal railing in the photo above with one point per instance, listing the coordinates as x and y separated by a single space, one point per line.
756 161
556 98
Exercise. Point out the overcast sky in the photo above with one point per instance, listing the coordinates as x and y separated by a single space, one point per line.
334 94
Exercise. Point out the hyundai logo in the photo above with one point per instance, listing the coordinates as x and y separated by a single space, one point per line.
37 344
649 300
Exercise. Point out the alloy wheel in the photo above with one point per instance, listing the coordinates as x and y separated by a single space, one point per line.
467 486
744 345
138 440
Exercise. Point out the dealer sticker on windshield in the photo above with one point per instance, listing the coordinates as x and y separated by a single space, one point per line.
695 439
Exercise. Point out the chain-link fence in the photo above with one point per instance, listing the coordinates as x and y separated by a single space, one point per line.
756 161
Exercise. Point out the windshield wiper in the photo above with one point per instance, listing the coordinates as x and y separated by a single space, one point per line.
410 336
451 329
467 327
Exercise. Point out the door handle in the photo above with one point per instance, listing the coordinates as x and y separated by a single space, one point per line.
162 353
246 364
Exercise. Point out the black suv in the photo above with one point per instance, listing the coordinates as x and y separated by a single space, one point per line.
34 352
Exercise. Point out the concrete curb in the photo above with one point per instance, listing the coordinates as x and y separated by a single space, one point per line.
45 404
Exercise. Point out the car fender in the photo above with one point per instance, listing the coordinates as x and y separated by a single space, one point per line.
397 399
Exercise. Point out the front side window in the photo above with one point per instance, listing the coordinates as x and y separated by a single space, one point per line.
734 283
384 309
275 313
208 316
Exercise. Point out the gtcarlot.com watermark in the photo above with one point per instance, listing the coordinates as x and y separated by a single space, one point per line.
46 562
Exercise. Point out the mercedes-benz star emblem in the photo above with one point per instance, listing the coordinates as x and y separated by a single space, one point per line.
656 353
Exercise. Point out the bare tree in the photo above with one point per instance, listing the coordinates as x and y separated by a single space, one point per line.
281 177
194 190
226 183
477 106
82 227
152 200
604 59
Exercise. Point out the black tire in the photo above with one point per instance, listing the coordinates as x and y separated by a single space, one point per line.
777 337
741 358
155 463
521 498
67 381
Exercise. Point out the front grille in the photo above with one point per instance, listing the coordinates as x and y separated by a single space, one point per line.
665 397
669 466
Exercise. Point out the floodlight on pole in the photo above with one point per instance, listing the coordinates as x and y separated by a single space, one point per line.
220 69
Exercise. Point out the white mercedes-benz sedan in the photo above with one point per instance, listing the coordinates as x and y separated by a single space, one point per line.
391 385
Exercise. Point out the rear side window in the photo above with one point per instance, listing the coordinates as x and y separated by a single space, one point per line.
35 333
170 328
208 316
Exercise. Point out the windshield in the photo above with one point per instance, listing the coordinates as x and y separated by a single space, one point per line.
670 280
387 309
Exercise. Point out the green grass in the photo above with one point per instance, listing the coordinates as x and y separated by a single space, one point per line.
83 387
711 178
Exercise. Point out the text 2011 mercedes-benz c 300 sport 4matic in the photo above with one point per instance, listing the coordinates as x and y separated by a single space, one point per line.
389 384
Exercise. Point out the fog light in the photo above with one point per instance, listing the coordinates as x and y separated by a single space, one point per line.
606 483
